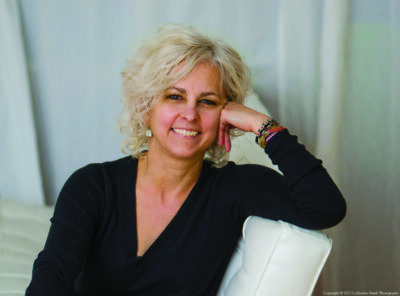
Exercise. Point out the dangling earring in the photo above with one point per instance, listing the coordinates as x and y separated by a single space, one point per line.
149 134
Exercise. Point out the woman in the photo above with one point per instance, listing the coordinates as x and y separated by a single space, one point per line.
166 221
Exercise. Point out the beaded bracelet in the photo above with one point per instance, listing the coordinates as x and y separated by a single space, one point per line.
267 135
268 124
272 134
267 131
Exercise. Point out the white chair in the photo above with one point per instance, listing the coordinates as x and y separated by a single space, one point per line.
23 231
275 258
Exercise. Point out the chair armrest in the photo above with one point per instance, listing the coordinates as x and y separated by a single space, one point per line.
23 231
275 258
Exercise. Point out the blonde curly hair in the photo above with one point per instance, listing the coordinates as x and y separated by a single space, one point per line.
151 71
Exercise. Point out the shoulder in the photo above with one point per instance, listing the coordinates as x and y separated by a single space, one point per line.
91 187
238 189
234 168
95 175
111 167
236 174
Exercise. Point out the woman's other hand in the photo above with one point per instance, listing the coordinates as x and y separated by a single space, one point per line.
235 115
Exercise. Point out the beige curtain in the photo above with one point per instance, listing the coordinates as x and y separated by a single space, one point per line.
20 175
339 73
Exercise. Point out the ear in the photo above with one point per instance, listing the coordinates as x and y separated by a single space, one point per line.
146 117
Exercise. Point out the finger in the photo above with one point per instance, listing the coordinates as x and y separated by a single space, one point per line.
221 129
227 139
221 134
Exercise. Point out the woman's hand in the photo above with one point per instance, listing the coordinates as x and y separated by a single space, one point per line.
235 115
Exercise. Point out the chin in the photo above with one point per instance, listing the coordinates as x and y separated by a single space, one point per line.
187 155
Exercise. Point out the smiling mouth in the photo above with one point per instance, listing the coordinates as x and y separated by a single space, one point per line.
186 133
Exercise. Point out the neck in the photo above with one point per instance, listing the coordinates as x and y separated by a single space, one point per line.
169 176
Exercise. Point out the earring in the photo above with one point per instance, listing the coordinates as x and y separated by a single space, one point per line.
149 134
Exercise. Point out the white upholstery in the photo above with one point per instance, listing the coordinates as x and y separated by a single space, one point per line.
23 230
275 258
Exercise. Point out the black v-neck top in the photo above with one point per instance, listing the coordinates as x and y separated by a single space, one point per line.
92 244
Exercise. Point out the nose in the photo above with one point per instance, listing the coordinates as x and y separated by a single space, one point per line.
189 112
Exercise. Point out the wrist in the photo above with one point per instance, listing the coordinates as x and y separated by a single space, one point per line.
258 122
267 131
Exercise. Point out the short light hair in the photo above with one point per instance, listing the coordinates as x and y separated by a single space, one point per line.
151 71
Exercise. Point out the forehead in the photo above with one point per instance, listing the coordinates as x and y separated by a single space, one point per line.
203 75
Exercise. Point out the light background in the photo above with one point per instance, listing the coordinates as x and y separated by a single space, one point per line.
327 69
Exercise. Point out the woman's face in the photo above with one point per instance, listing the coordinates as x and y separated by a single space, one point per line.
184 122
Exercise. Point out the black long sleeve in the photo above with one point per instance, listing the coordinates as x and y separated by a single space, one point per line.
306 195
92 244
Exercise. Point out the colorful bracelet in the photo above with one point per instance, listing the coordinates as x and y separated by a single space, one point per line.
264 138
271 135
268 124
267 131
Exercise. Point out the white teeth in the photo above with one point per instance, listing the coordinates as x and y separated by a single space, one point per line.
185 132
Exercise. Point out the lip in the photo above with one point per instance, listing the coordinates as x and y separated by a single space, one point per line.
184 132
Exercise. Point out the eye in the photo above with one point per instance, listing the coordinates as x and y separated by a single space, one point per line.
208 102
174 97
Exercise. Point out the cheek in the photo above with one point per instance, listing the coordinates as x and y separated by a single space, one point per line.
211 122
162 117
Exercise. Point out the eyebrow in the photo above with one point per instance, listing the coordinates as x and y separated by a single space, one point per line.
203 94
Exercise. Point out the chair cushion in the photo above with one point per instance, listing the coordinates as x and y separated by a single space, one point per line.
23 231
275 258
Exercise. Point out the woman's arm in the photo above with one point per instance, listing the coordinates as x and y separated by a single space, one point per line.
68 243
305 195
